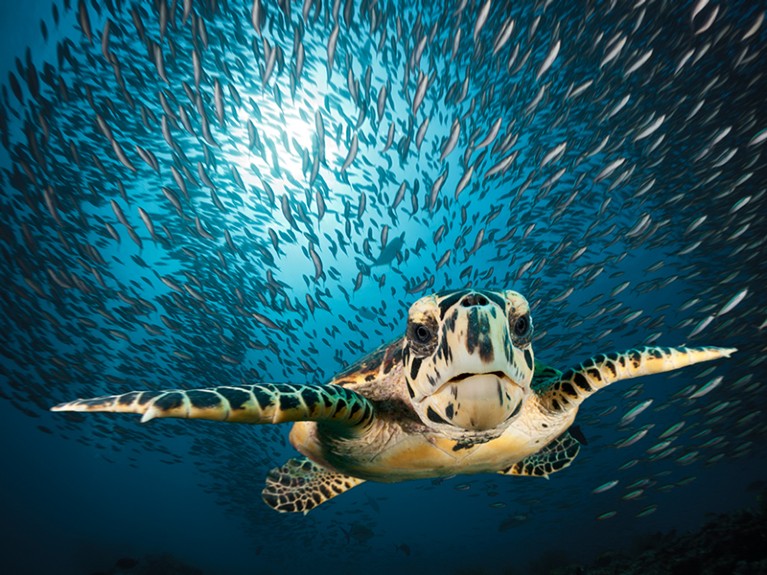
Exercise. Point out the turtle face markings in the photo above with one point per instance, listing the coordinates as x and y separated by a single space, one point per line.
468 361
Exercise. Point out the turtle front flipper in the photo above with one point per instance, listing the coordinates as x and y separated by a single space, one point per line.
554 457
542 375
567 391
301 485
261 403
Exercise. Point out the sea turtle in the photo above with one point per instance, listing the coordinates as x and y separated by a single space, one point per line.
459 393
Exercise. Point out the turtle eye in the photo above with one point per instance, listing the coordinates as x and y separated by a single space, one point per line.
521 328
422 334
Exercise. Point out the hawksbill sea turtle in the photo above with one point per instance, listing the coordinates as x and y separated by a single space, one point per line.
459 393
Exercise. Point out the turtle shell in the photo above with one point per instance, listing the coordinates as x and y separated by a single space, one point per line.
374 365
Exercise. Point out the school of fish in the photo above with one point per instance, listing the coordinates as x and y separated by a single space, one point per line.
206 192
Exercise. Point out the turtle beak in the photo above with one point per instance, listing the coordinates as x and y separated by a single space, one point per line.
479 401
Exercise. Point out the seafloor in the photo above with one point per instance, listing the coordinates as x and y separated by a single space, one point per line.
734 544
728 544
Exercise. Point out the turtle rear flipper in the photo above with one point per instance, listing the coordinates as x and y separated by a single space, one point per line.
301 485
554 457
565 392
261 403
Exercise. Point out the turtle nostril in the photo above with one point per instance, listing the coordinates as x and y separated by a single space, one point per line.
473 299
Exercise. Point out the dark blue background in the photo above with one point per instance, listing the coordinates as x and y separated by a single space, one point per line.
79 493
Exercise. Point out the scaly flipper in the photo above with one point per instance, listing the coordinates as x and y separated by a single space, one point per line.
542 375
261 403
554 457
301 485
567 391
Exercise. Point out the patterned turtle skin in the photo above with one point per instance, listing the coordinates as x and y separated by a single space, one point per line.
459 393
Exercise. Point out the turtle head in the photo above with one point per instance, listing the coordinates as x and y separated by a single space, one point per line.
468 361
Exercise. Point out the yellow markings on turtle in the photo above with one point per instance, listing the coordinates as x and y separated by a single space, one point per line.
459 393
575 385
554 457
418 453
301 485
262 403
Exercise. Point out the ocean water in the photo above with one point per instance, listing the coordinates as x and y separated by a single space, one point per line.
195 196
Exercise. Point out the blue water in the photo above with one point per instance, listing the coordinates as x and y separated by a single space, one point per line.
85 314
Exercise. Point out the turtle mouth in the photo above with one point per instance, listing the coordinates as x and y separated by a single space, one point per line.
478 380
478 401
498 374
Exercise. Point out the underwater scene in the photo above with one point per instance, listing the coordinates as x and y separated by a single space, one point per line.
526 241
